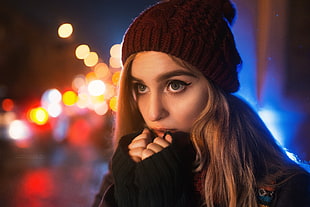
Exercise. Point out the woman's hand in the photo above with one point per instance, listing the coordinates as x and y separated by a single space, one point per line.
143 147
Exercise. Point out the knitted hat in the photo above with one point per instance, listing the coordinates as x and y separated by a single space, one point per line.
196 31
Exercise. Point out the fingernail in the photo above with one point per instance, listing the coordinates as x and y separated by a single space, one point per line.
166 133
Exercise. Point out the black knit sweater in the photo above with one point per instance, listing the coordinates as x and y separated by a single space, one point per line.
166 180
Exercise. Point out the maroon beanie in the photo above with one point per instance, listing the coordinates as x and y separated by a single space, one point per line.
197 31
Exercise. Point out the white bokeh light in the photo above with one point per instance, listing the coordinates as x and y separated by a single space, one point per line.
96 88
18 130
54 110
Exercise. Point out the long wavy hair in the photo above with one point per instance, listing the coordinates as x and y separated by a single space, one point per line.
235 150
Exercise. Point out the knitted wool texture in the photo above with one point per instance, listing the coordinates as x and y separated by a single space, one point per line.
196 31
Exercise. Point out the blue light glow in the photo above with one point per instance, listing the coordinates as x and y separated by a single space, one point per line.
280 114
271 119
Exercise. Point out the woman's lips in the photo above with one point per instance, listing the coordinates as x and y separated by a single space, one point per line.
161 132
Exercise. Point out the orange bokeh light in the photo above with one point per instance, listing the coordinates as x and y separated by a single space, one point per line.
116 77
113 103
65 30
102 71
90 77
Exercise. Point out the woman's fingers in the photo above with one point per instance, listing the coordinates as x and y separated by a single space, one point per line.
147 153
141 140
145 133
161 142
168 138
138 144
136 154
142 146
156 146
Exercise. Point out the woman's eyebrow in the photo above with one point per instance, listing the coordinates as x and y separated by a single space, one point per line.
174 73
134 79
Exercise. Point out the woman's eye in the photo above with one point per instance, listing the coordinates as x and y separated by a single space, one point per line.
140 88
177 86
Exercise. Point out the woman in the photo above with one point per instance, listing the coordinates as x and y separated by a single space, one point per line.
183 138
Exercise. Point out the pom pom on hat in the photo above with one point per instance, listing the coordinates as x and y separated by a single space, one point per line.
196 31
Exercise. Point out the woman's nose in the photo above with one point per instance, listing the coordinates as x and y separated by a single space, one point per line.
156 108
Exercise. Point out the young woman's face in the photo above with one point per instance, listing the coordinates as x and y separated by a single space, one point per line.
169 96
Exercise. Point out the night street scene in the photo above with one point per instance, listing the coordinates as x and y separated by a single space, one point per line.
59 71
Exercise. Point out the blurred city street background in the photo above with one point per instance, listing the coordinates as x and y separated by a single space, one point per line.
40 171
66 176
59 72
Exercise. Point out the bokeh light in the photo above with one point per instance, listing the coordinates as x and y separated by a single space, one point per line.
91 76
69 98
97 99
96 88
7 118
51 96
115 62
115 51
110 91
54 110
65 30
83 100
38 115
102 71
7 104
91 60
50 101
82 51
113 103
18 130
116 77
78 82
101 109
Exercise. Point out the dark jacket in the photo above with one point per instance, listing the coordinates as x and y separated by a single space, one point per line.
165 179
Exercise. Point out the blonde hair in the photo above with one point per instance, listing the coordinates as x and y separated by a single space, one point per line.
237 152
226 136
128 117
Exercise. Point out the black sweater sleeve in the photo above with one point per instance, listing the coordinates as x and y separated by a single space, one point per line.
164 179
123 169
